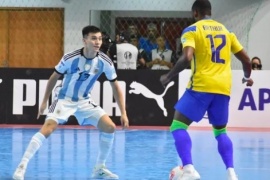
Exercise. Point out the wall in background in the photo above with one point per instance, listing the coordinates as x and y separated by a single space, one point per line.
247 18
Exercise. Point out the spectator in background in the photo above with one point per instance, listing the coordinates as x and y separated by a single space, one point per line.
141 63
179 47
117 39
106 42
162 58
133 30
124 54
149 43
256 63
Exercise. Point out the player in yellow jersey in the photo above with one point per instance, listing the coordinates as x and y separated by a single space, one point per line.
207 45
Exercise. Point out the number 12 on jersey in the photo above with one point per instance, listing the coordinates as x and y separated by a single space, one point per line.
216 50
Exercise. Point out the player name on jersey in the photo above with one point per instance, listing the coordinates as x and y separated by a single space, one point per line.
212 28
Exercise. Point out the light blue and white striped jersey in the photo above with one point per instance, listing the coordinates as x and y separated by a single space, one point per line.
80 74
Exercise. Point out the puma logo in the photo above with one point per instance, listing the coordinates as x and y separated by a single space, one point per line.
138 88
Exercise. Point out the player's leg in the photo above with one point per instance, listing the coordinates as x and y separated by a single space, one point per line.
98 118
218 117
33 146
36 141
191 107
182 139
183 145
106 138
107 128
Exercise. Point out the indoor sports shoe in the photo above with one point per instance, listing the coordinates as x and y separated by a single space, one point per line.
19 173
190 175
103 173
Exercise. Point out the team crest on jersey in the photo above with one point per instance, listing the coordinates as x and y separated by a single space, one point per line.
87 67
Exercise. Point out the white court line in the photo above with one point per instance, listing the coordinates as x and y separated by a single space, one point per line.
125 131
255 169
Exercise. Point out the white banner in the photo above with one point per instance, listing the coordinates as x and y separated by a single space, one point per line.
249 106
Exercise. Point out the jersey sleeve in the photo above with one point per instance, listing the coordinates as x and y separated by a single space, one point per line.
109 71
236 45
188 37
62 66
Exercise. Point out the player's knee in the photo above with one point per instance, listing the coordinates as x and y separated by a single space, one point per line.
48 128
218 130
110 128
178 125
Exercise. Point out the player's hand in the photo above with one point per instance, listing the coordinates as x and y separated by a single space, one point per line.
164 80
163 63
248 81
41 109
156 61
124 121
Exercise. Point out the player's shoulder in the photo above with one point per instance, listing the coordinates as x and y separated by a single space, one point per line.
104 58
72 55
191 28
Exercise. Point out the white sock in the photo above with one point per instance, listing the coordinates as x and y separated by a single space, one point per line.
231 171
32 148
105 146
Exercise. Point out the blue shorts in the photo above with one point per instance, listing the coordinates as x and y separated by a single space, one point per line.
195 104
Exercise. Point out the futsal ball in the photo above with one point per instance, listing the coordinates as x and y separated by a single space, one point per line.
176 173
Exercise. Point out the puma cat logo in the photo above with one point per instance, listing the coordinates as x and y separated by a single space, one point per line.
138 88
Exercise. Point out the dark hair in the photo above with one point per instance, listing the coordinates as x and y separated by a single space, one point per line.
134 36
90 29
256 58
202 6
106 42
255 65
124 36
105 37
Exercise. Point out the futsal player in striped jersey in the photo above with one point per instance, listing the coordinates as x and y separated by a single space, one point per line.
207 46
81 69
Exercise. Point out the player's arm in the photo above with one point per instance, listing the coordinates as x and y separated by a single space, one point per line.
242 56
50 85
119 97
246 63
182 63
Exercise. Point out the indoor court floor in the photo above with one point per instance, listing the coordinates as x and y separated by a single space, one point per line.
140 153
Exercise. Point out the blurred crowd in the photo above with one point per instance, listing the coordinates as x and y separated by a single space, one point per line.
130 50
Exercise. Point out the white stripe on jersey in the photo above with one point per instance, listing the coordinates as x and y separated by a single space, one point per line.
80 74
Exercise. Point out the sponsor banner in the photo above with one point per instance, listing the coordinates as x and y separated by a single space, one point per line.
147 101
249 106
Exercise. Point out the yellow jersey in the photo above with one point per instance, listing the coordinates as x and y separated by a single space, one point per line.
211 65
